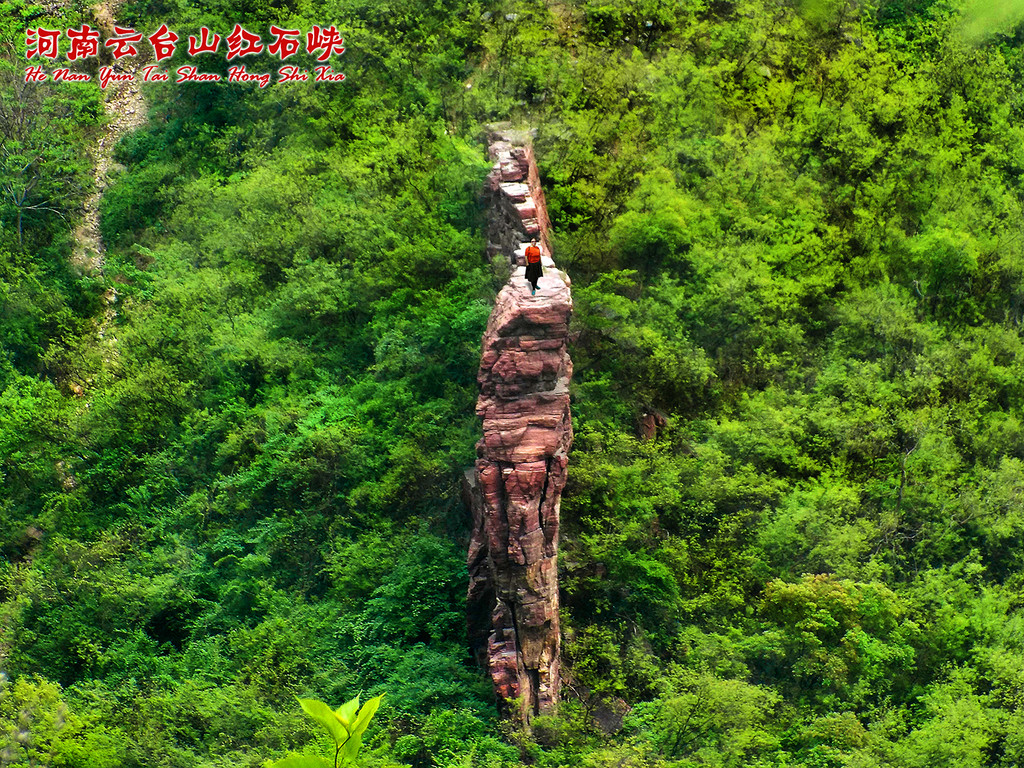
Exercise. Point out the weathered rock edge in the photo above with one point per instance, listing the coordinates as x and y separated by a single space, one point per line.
514 491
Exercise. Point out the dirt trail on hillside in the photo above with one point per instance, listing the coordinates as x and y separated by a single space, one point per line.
125 108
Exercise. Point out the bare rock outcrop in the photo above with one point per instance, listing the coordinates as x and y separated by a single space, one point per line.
515 488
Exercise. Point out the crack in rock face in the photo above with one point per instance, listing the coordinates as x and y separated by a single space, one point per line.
515 489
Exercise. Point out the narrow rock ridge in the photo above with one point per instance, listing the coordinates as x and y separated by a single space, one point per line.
515 489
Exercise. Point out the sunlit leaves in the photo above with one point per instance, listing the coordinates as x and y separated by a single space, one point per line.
346 725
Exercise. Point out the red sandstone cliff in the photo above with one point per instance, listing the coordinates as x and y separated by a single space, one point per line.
515 489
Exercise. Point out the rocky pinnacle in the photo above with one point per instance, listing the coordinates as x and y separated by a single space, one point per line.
515 489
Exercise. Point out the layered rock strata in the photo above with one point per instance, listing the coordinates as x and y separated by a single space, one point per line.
515 488
516 211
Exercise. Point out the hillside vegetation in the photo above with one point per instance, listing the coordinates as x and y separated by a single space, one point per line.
796 238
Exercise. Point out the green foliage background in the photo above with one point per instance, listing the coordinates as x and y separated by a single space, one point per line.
794 230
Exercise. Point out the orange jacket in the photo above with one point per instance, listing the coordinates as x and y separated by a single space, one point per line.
532 254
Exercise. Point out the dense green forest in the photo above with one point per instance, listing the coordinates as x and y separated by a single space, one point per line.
796 231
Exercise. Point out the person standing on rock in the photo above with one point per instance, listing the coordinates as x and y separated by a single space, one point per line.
533 268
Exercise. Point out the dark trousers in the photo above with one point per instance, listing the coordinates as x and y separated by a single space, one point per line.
533 273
